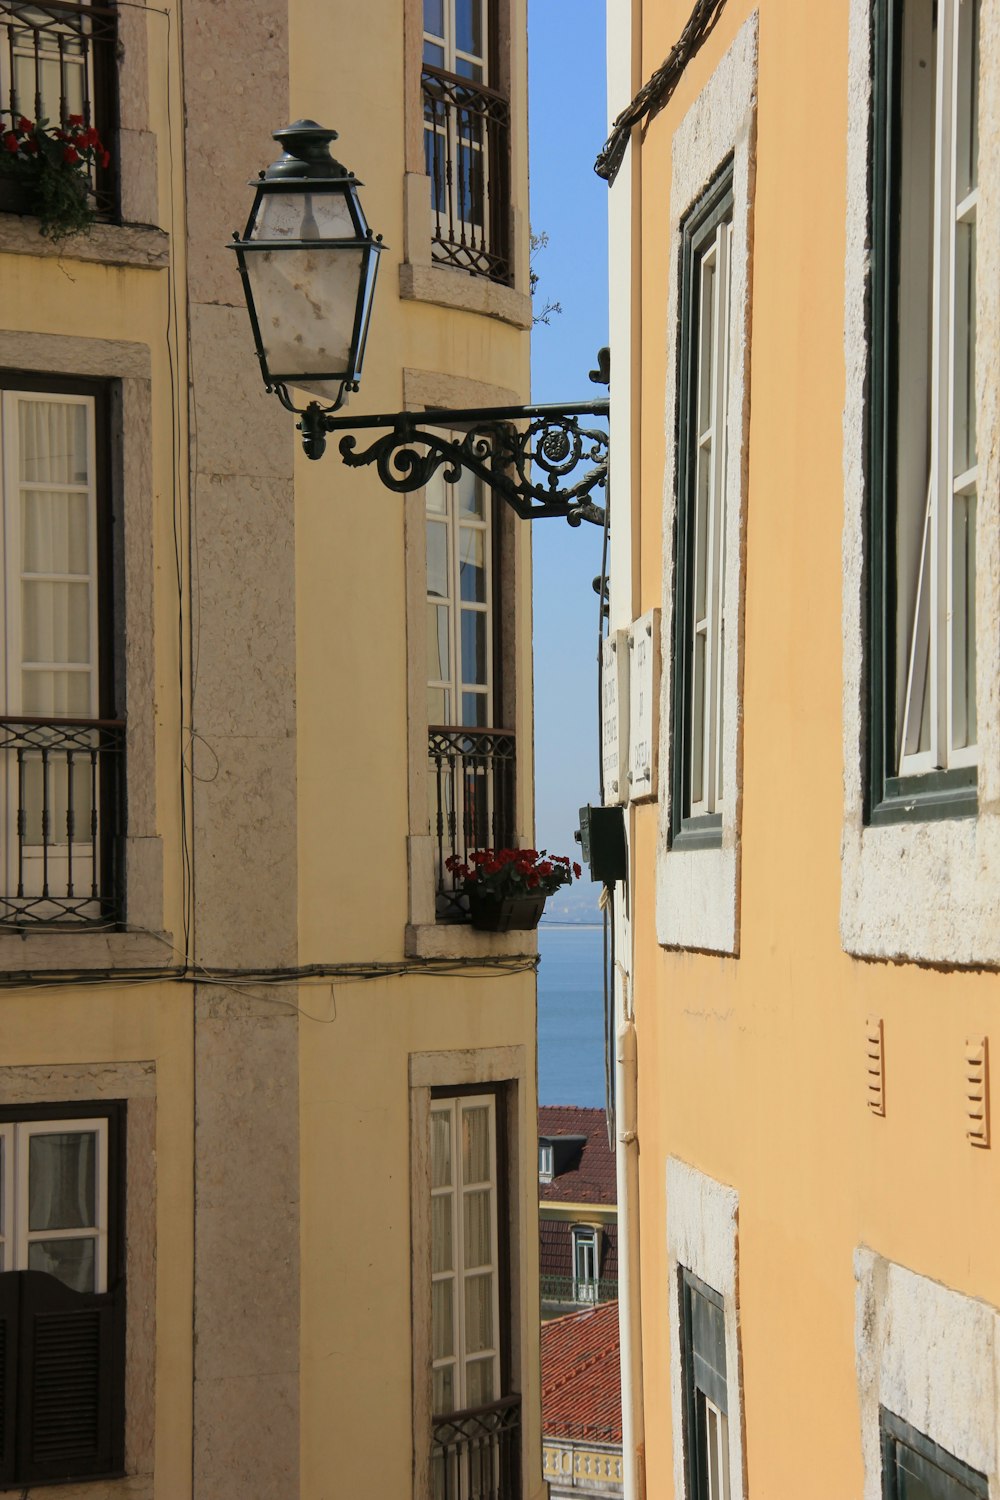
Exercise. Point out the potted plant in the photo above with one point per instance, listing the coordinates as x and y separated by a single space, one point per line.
507 887
47 171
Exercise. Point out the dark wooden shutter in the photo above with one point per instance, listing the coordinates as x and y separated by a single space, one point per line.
70 1381
9 1295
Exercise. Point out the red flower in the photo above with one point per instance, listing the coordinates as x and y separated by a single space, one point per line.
10 141
24 125
576 870
71 156
31 145
546 867
75 120
533 880
105 159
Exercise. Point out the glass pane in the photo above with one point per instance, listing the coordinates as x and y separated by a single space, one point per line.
70 1261
967 99
706 313
471 496
64 694
469 26
472 564
443 1318
476 1145
918 1478
479 1388
438 706
434 17
438 645
434 55
55 532
469 70
436 495
437 560
442 1256
62 1180
306 302
53 440
963 640
441 1149
474 710
478 1239
965 347
698 719
474 646
478 1314
444 1390
55 621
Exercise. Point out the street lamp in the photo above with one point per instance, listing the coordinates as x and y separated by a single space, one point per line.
308 261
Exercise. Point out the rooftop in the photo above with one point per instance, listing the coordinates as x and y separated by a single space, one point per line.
586 1172
581 1375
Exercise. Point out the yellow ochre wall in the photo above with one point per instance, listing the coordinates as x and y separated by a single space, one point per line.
752 1069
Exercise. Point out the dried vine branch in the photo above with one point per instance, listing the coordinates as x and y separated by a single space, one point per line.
658 91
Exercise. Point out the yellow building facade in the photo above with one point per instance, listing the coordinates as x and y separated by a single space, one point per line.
804 422
267 1101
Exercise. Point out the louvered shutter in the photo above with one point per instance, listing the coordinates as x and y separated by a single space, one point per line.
9 1294
70 1381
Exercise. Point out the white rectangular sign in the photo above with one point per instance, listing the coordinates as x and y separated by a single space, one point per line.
644 698
614 716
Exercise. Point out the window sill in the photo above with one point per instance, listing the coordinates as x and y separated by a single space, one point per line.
49 950
445 286
460 940
699 833
927 799
141 245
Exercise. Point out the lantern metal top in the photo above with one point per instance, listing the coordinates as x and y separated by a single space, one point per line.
305 157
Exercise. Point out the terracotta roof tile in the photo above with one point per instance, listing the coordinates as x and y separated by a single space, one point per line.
592 1178
581 1375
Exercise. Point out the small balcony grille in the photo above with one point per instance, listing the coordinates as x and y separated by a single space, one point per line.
475 1454
466 145
472 772
59 60
62 784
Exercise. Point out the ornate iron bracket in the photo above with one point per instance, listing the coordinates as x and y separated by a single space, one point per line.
528 455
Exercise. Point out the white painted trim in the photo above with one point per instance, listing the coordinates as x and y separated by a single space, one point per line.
702 1236
926 891
931 1356
697 891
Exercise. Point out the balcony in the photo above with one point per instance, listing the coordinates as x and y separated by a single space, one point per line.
476 1454
467 145
63 783
472 774
570 1291
59 59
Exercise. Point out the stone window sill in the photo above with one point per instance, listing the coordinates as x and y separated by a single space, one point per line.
140 245
459 940
446 286
47 949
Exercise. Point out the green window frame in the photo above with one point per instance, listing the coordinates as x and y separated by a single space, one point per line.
705 1392
914 1466
697 703
905 782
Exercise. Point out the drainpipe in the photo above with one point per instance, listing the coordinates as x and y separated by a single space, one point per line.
629 1304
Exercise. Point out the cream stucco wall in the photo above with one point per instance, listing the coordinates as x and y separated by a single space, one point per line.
752 1068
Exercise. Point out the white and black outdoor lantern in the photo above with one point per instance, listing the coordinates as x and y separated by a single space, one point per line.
309 261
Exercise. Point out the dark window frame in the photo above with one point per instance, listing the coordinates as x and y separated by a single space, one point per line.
19 1468
937 794
695 1380
922 1455
698 227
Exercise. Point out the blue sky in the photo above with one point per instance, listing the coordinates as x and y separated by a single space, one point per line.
569 202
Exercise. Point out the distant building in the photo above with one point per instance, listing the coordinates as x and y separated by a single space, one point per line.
578 1213
582 1404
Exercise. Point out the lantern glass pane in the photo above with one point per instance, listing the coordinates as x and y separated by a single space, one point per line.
306 302
304 216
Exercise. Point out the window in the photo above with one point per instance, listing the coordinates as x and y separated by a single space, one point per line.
922 424
706 1407
59 61
699 788
466 131
60 745
475 1447
585 1264
62 1298
914 1468
545 1162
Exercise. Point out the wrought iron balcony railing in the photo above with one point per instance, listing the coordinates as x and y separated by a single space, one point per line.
580 1292
59 59
62 782
466 146
475 1454
472 771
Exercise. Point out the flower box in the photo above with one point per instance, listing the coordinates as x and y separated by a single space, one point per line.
491 913
15 197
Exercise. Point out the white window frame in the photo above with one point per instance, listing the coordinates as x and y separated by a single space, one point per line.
459 1360
936 602
546 1161
451 516
15 1235
585 1243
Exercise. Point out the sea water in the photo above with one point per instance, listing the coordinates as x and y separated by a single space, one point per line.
571 1015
